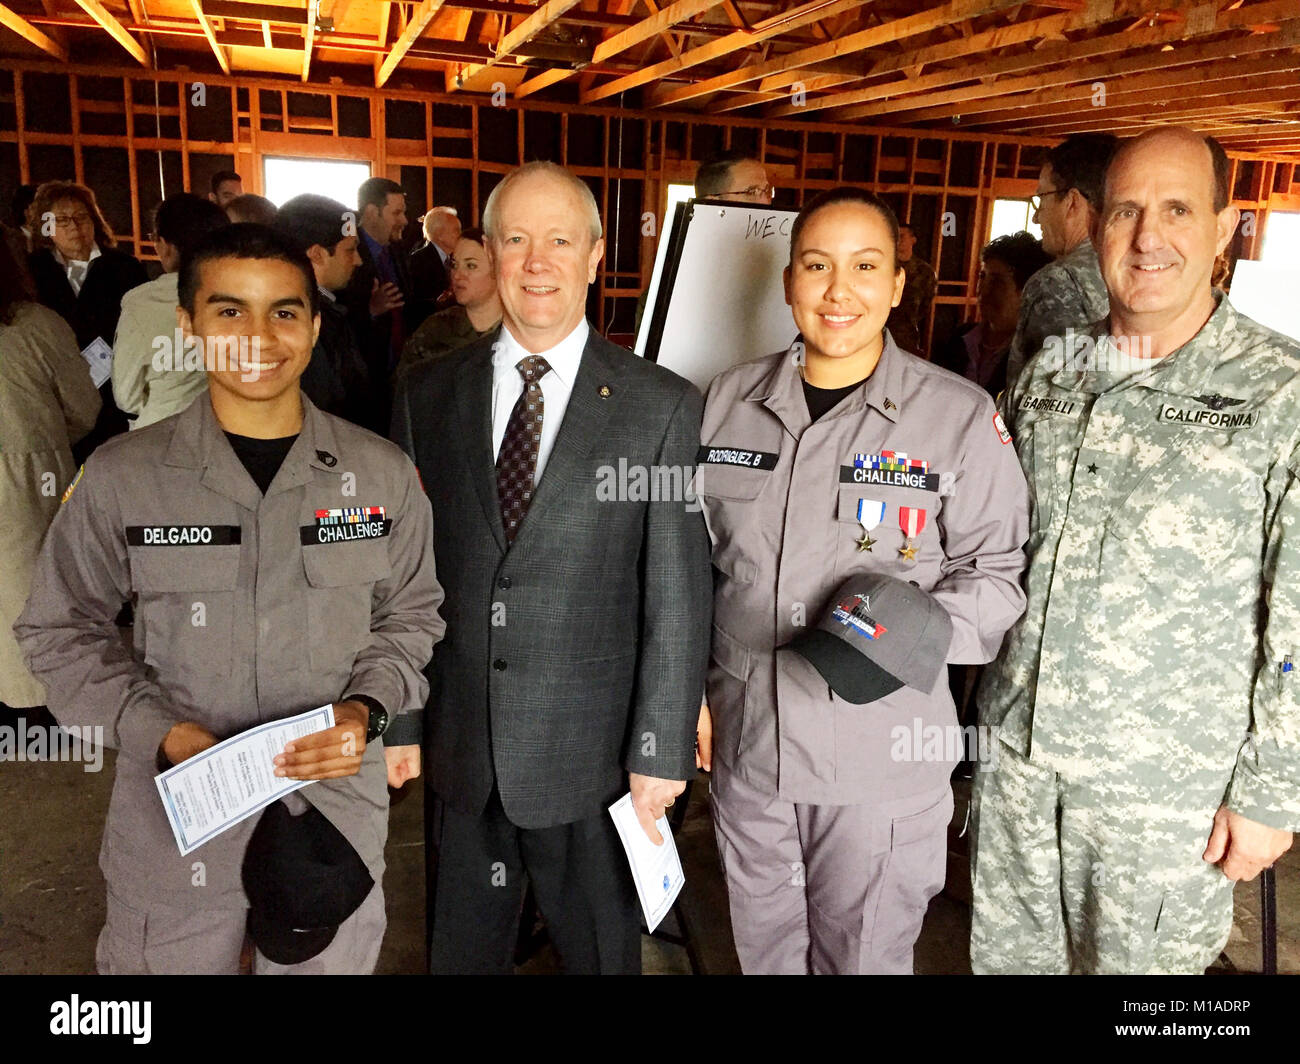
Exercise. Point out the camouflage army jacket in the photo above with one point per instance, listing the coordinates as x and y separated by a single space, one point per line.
1066 294
1164 578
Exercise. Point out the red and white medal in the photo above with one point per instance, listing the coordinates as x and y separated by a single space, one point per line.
911 519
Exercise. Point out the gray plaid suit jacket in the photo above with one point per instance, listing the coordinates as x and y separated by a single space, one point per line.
579 653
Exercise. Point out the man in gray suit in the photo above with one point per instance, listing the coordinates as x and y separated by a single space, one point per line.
577 610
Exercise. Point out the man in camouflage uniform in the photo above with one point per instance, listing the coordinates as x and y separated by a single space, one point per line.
1146 705
907 321
1069 293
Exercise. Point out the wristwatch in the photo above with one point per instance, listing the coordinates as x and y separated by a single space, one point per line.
378 722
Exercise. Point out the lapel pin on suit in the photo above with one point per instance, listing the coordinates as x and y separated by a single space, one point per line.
604 391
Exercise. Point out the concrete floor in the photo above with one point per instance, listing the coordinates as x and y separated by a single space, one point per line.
52 893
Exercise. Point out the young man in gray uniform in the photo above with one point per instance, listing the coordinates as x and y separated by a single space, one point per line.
847 456
256 597
1148 714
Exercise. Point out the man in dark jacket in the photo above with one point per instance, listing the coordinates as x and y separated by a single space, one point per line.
336 379
579 611
380 291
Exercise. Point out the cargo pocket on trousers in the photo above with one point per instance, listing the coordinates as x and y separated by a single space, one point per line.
914 873
726 690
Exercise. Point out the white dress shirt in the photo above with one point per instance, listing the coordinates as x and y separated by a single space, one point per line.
77 269
557 386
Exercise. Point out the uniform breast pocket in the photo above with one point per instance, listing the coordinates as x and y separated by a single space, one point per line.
731 499
1195 519
340 590
871 520
186 598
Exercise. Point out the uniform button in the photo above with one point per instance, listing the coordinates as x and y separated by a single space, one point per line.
499 664
504 583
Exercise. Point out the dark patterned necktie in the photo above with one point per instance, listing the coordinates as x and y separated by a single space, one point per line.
517 459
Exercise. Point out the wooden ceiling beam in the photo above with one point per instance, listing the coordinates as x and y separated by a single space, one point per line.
732 42
1065 52
206 26
469 77
244 12
419 21
786 69
966 44
1068 82
15 23
109 23
1265 100
1151 91
309 38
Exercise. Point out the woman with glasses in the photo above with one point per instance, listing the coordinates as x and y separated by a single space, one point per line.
80 274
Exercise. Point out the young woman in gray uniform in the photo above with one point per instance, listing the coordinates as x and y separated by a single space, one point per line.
843 456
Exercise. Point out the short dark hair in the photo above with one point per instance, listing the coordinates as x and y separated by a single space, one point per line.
311 221
243 240
845 194
1080 162
251 207
1022 252
711 177
376 190
16 285
221 177
475 234
183 219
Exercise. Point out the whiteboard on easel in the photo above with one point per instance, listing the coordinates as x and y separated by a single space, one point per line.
717 297
1267 293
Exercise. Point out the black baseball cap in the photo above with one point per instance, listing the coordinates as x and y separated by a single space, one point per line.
303 879
879 634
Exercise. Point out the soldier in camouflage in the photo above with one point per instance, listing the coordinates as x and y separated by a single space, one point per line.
908 321
1069 293
1146 705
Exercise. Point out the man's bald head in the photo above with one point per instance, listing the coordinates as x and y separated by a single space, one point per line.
1218 166
442 227
1164 221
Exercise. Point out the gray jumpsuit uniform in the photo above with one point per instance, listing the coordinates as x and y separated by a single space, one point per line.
256 621
831 817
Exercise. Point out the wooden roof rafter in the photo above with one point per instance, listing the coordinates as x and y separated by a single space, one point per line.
722 46
309 38
15 23
874 36
208 32
1171 30
964 43
1116 75
658 23
109 23
415 25
471 76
